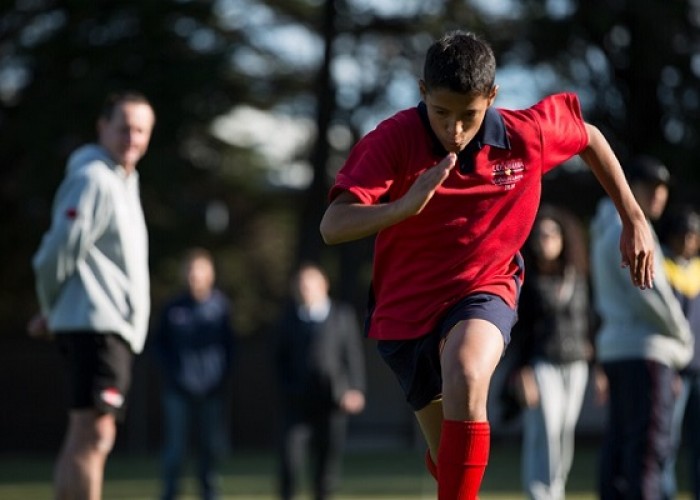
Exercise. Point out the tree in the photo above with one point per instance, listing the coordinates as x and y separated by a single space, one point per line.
340 66
61 58
350 64
634 65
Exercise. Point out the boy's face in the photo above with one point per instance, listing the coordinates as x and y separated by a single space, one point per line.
455 118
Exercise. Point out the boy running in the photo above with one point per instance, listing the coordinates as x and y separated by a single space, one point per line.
451 188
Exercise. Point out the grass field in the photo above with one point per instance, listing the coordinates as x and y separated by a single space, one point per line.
368 475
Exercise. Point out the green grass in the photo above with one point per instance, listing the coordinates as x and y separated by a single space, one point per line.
367 475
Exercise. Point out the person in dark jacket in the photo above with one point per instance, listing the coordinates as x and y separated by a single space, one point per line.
321 377
553 338
680 239
194 342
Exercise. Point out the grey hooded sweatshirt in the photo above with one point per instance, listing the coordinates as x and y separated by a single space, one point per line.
636 324
92 265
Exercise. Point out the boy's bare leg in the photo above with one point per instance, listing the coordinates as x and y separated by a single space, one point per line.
430 422
470 355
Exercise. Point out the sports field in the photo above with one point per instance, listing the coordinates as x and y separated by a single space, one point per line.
368 475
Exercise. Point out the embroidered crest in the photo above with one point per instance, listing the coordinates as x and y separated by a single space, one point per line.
508 173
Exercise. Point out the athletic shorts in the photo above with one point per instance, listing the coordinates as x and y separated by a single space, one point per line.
99 370
416 362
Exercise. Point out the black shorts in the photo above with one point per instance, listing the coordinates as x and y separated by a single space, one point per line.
416 362
99 370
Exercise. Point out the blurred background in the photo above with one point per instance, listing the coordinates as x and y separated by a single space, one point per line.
258 103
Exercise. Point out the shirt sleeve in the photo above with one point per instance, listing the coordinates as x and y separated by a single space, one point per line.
371 168
661 307
78 216
562 129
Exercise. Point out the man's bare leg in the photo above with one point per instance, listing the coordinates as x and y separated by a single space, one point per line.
80 466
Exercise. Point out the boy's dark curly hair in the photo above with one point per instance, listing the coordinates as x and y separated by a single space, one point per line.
461 62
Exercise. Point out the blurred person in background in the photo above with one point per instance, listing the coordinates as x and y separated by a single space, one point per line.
552 343
194 342
92 283
644 338
320 368
680 237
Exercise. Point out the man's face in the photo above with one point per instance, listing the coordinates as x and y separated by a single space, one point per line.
126 134
455 118
312 287
200 277
651 197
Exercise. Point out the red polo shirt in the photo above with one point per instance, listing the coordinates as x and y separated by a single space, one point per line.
467 238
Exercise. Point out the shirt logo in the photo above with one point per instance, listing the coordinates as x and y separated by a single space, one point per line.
507 173
72 213
112 397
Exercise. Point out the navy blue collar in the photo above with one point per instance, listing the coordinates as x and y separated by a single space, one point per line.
492 132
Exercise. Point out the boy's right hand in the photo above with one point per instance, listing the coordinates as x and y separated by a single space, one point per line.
423 189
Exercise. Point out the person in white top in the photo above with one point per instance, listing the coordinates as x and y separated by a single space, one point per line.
92 284
643 340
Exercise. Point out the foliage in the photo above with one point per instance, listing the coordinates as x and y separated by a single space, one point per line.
341 64
64 56
634 65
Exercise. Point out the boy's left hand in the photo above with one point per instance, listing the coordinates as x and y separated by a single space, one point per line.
637 249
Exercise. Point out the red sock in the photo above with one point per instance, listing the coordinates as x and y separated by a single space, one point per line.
462 459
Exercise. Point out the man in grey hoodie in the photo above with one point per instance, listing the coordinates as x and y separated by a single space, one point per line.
643 340
92 283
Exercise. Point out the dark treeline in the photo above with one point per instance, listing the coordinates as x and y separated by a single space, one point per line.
331 68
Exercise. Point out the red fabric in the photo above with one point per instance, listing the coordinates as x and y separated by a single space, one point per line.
466 239
462 459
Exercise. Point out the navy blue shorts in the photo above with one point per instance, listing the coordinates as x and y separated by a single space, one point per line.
416 362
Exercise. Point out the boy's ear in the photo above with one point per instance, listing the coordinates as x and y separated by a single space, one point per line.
492 94
423 88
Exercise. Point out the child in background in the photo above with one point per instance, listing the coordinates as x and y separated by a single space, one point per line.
680 239
552 344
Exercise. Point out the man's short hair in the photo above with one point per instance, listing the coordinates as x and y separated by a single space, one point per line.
648 170
461 62
197 253
116 98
